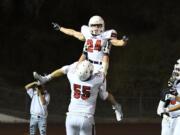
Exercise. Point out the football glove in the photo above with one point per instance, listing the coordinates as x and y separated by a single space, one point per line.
56 26
125 38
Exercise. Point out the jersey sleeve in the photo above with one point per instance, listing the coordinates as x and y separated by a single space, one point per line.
67 68
110 34
30 92
160 107
85 31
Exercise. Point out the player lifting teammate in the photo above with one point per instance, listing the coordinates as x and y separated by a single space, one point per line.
85 86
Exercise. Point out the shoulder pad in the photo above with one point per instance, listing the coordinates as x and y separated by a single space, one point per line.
85 30
110 34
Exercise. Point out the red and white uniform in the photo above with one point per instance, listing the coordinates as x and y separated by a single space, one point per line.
80 115
168 121
175 115
96 47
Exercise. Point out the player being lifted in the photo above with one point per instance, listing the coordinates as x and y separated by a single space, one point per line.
98 42
85 87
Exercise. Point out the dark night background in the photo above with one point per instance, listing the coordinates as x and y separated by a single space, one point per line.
137 73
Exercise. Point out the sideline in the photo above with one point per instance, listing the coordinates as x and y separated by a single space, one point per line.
4 118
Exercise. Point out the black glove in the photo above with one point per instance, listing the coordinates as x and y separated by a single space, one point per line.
56 26
125 38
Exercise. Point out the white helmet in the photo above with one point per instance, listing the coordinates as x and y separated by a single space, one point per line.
176 71
178 61
96 25
84 70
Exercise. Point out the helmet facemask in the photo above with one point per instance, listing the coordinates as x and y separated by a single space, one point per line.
96 25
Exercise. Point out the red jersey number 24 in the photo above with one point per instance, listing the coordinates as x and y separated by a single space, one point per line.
90 46
85 94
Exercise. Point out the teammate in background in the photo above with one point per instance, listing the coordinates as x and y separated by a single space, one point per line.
38 110
174 99
85 87
166 123
98 42
174 113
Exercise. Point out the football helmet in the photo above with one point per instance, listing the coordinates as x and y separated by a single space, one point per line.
176 71
178 61
96 25
84 70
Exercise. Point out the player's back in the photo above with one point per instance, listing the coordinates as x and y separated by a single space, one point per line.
84 93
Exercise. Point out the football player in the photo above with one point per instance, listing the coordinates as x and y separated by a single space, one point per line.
97 40
85 87
173 108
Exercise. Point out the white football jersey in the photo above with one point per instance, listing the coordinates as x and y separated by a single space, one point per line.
37 108
84 94
175 113
97 46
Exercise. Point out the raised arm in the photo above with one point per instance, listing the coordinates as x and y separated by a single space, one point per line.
119 42
30 85
73 33
70 32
